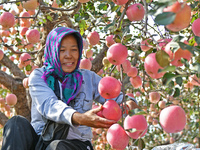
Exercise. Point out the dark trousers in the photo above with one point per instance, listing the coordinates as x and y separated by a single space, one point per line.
18 134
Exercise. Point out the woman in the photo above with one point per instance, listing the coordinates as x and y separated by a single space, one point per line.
78 88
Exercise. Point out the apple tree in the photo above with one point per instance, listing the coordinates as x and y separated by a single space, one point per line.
156 50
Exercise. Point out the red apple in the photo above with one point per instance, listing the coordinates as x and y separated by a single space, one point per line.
85 64
30 4
111 110
151 66
23 31
117 137
162 104
93 38
109 87
145 45
183 16
136 81
135 12
7 20
137 122
196 27
1 54
109 40
172 119
126 65
154 97
11 99
120 2
24 14
133 71
25 59
89 53
83 1
25 82
117 54
33 36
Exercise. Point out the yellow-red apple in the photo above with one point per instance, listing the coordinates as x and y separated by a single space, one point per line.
135 12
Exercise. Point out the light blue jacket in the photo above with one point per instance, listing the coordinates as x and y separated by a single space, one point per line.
46 105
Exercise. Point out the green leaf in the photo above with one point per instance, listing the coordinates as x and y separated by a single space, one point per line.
49 18
28 68
197 39
177 38
136 111
186 47
179 81
168 68
82 26
162 58
165 18
177 92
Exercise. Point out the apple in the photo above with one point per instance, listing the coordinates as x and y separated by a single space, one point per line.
23 31
30 4
5 33
33 36
109 40
109 87
196 27
117 54
25 82
120 2
24 14
136 81
162 43
180 53
25 23
89 53
11 99
85 64
12 58
83 1
145 45
135 12
162 104
1 54
31 12
154 97
54 4
151 66
25 59
137 122
126 65
93 38
194 80
172 119
2 102
106 62
117 137
133 71
85 44
183 16
7 20
111 110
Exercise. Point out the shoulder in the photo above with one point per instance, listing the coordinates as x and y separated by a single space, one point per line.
36 73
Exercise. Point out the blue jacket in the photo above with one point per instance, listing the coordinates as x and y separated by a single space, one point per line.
45 104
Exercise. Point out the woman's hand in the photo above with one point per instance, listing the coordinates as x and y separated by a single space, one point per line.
91 119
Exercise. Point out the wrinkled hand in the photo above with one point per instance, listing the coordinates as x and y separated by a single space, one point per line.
91 119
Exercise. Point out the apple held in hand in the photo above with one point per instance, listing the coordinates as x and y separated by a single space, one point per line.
117 137
172 119
100 112
111 110
117 54
137 122
109 87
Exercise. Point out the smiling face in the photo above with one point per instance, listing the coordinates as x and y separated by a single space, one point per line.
69 53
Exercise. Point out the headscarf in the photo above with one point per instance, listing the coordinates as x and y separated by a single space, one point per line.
71 82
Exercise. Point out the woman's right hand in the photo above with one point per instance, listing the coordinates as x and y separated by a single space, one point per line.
91 119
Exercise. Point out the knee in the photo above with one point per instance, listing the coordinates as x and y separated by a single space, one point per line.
15 121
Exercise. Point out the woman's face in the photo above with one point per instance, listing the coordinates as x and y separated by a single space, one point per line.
69 53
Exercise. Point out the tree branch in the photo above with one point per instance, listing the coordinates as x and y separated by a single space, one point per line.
13 67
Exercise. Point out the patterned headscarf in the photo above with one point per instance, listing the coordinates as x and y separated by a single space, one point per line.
71 82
